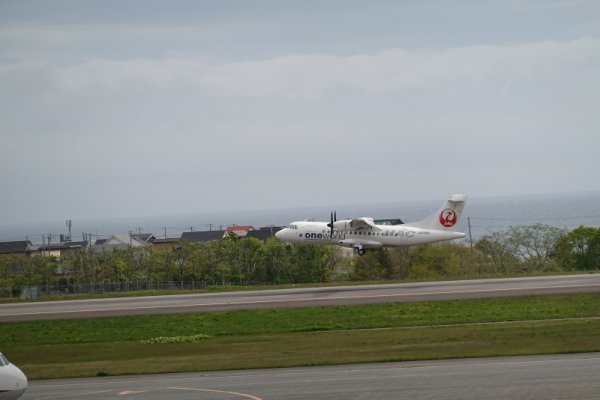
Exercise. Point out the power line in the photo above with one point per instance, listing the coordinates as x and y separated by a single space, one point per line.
536 219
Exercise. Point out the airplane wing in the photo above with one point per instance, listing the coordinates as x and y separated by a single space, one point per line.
363 223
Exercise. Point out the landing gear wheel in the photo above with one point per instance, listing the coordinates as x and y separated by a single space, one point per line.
360 251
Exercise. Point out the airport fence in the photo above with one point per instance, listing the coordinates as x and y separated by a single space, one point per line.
33 292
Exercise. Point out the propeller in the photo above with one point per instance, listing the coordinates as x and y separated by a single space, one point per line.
333 219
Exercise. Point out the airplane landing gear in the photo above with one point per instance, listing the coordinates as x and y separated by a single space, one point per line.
359 250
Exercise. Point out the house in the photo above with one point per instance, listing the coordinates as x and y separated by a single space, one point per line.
100 242
264 233
166 242
16 247
144 237
122 241
203 236
239 230
59 249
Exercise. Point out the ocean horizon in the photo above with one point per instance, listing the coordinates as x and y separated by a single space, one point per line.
486 215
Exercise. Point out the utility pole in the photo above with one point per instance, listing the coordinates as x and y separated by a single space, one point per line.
470 236
140 229
165 232
209 226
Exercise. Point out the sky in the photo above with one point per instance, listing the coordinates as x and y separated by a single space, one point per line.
120 108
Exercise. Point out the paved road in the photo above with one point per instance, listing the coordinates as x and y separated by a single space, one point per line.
469 289
555 377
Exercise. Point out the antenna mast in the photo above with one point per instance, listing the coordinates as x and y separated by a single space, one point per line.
69 223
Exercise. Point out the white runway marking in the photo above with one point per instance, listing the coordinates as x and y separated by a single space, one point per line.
248 396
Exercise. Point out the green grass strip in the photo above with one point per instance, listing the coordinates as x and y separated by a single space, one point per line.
307 336
250 322
309 349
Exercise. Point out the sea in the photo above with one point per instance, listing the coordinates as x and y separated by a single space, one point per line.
485 215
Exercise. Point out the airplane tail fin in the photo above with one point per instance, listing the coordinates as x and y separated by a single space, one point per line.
445 218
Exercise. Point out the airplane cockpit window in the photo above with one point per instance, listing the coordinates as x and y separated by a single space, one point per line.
3 361
293 227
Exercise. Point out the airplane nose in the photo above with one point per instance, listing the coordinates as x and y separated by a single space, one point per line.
16 380
20 378
279 234
23 381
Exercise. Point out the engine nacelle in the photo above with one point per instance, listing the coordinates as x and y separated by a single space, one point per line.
343 225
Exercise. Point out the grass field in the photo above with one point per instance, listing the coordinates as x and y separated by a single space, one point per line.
307 336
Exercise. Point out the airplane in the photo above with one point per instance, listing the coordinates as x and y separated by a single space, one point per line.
13 381
367 233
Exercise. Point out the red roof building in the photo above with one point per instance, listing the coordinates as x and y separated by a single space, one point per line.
239 230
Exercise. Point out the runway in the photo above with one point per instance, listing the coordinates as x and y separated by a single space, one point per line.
573 376
346 295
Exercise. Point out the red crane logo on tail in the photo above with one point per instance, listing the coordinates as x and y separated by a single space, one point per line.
448 218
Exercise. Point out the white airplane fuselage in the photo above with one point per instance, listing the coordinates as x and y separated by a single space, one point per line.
364 233
385 236
13 381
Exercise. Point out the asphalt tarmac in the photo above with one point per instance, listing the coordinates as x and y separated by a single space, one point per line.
346 295
572 376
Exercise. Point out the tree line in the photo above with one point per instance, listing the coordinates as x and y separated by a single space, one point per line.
519 250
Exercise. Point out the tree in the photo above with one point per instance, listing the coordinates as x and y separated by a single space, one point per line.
160 264
434 261
523 247
10 266
499 252
199 260
79 267
374 265
248 247
535 244
579 249
400 260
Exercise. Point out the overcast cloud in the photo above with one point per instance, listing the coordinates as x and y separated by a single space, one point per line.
125 108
